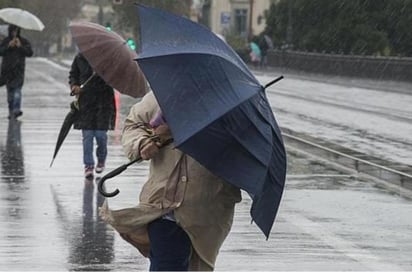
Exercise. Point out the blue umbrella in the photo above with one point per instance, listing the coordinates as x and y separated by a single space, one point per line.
215 107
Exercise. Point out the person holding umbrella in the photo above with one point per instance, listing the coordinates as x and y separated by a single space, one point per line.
97 112
185 211
14 49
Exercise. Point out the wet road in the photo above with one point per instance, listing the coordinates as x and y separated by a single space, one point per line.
48 216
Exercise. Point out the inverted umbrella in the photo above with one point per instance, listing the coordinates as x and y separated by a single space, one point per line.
215 107
110 57
21 18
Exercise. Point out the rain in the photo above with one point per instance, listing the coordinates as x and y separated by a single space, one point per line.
344 83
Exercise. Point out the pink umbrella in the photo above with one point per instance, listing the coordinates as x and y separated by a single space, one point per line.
110 56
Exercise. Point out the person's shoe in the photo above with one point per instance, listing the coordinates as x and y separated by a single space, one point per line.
88 172
99 167
18 114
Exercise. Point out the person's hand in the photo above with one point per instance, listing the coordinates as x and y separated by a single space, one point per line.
12 43
163 132
17 42
75 90
149 150
149 147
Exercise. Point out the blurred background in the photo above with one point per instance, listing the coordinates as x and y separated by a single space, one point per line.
310 35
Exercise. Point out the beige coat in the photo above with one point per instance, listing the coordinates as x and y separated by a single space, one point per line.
203 204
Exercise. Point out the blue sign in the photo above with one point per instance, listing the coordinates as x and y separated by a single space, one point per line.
224 18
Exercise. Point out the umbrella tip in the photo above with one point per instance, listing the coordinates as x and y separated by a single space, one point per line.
274 81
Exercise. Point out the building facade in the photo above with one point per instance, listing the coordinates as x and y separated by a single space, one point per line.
244 18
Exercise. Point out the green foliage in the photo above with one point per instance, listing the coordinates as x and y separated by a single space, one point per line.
236 42
55 15
369 27
126 13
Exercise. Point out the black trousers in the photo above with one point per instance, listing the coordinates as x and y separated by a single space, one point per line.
170 246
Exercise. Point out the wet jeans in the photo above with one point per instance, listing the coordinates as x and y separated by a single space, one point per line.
170 246
14 99
88 144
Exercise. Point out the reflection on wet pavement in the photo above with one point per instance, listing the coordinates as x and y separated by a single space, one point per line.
12 160
92 246
12 169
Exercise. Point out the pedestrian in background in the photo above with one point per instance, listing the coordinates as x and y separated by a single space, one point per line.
185 212
255 53
265 44
97 112
14 49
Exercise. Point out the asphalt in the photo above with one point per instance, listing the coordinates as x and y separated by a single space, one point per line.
49 222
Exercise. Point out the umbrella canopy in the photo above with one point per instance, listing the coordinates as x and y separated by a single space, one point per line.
21 18
255 49
216 109
110 57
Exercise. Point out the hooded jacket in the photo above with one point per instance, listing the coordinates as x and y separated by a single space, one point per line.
14 59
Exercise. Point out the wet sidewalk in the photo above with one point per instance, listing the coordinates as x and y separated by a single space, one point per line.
49 216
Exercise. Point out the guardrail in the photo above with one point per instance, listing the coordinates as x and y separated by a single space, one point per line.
383 68
395 174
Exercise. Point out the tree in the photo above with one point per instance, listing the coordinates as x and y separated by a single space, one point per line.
332 26
399 30
55 15
126 13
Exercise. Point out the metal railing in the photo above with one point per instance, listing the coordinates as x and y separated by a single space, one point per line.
383 68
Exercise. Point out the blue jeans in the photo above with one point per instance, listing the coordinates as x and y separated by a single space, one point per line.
88 142
14 98
170 246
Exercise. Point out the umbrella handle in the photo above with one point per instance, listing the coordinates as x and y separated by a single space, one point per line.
119 170
112 174
273 81
85 83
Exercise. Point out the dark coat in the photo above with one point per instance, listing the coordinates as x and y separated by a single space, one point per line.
97 109
14 60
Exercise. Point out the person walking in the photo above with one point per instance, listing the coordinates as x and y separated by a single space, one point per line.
255 53
265 44
97 112
14 49
185 212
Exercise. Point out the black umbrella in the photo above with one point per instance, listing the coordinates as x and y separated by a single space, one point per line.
70 118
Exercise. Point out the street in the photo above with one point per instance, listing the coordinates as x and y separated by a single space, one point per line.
327 220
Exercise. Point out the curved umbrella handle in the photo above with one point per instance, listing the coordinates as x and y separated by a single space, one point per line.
120 169
112 174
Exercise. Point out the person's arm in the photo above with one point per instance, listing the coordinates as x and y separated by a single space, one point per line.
25 46
4 45
74 77
135 137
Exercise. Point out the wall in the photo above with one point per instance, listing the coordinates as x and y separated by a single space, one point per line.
387 68
228 6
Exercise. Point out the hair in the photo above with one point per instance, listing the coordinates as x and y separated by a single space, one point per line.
13 28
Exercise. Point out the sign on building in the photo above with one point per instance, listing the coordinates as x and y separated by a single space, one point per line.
225 18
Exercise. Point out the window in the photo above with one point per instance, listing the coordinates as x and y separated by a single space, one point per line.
241 22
